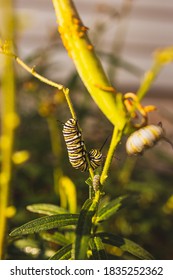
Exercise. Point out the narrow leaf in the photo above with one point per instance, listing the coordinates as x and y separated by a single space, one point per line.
47 209
84 226
68 188
89 181
63 254
45 223
83 231
97 248
126 245
110 209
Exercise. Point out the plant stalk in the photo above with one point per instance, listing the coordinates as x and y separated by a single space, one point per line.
116 137
9 122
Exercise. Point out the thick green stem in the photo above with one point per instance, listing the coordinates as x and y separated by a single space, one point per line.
9 122
116 137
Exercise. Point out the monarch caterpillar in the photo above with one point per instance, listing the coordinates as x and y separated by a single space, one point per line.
75 145
144 138
95 157
76 149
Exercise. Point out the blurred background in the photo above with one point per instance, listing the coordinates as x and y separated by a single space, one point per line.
125 35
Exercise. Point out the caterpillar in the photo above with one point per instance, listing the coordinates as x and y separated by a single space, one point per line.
95 157
144 138
76 149
75 145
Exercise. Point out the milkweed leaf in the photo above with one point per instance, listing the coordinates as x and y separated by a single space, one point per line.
97 247
125 245
110 209
47 209
45 223
83 230
63 254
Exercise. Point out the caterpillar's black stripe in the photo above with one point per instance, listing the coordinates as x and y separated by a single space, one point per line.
76 149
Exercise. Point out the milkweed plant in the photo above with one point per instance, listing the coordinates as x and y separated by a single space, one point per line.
80 234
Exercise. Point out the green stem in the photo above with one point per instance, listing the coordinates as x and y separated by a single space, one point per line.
116 137
95 202
70 104
148 79
9 122
31 70
161 58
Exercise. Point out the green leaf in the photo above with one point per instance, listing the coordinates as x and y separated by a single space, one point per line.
45 223
109 209
63 254
57 238
97 248
84 226
126 245
47 209
89 181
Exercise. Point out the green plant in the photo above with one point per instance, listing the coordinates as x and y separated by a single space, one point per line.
82 236
10 121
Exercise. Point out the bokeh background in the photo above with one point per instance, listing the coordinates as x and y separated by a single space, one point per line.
125 34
